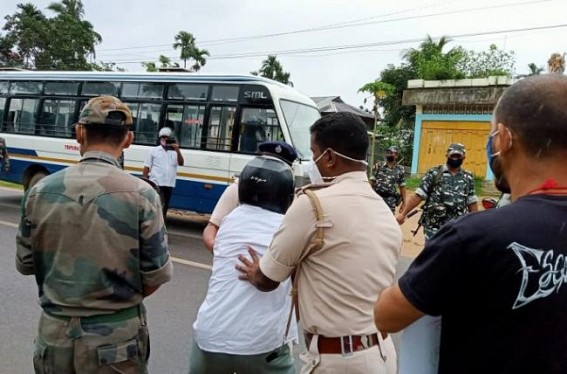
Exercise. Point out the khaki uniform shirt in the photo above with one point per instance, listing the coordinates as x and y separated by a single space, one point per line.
93 236
226 204
339 283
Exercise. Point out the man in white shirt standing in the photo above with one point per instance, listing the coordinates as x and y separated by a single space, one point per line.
238 328
161 165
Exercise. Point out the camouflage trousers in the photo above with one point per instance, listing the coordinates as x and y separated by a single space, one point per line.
91 345
391 202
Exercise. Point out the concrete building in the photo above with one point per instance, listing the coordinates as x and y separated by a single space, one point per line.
453 111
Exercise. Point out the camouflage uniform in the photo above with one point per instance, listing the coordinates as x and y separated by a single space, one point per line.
4 156
94 238
386 179
449 197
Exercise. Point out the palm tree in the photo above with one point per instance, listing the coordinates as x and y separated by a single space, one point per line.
272 69
76 37
430 62
187 43
198 55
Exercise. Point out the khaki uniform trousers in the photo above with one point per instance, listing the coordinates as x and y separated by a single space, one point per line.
92 345
379 359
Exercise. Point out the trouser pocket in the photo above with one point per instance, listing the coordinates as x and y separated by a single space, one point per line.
122 357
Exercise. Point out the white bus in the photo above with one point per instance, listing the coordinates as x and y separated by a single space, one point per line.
218 121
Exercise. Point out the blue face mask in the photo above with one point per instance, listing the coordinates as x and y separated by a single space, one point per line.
489 155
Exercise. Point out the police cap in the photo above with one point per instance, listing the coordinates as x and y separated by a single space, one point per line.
281 150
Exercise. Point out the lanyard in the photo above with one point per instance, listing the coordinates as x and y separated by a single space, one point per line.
549 187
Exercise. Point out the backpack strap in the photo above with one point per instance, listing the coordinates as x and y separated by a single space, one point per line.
315 245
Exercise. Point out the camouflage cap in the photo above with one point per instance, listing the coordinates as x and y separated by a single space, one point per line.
97 109
393 149
456 148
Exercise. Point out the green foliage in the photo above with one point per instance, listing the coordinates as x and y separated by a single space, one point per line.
534 69
273 69
395 114
31 33
430 62
186 43
487 63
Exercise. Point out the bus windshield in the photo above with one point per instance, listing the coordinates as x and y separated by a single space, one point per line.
299 118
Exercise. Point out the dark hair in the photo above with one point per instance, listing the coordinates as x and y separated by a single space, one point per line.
107 134
534 108
344 132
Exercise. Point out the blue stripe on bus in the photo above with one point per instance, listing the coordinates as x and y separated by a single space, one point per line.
22 151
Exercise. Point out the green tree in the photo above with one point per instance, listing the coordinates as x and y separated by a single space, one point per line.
488 63
27 32
150 66
76 38
62 42
430 62
185 41
9 58
272 69
534 69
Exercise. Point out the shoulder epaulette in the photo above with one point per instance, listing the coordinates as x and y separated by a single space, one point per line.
311 187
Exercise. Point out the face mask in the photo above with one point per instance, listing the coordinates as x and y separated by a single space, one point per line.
454 163
500 181
313 171
390 158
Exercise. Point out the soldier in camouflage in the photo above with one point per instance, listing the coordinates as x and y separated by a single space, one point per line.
4 156
448 191
94 238
387 176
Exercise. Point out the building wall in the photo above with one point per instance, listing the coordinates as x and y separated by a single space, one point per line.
435 132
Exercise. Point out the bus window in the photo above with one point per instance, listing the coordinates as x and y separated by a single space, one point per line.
100 88
143 90
24 115
4 86
56 118
25 88
225 93
61 88
2 106
219 130
187 121
188 91
145 118
258 125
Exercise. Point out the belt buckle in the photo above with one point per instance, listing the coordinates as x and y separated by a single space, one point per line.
347 340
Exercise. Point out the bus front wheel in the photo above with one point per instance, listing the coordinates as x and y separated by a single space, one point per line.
36 178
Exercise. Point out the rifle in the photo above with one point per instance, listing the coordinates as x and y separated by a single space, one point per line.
411 214
436 181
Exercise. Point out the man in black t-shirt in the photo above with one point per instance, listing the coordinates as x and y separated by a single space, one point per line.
498 278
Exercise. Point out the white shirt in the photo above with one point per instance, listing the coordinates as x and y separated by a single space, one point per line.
235 317
163 166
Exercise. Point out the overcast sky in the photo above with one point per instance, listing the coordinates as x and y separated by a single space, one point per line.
140 30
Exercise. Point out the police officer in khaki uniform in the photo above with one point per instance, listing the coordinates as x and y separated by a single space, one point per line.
337 284
229 199
94 238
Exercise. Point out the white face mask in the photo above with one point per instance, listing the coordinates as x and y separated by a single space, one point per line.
314 173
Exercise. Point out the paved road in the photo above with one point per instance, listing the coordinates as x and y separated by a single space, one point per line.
171 310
